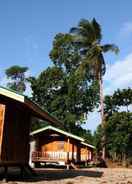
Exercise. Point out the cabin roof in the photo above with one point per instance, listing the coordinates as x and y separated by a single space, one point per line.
61 132
33 107
57 130
88 145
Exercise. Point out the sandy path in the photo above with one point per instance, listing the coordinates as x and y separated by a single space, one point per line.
82 176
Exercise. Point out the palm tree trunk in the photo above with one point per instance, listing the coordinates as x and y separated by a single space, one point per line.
101 98
102 112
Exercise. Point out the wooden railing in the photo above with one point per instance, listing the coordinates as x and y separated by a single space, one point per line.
48 155
56 156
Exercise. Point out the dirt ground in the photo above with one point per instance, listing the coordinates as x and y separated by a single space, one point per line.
81 176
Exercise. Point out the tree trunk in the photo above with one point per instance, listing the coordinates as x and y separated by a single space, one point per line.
102 113
101 98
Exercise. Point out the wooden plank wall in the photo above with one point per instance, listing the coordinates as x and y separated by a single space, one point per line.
15 147
55 143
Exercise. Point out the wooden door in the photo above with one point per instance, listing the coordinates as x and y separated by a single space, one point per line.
2 115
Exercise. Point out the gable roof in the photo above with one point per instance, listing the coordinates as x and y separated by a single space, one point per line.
61 132
56 130
33 107
88 145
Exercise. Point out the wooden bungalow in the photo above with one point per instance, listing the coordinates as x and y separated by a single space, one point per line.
50 144
16 112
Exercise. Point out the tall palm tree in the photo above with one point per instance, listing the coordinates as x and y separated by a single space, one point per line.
87 35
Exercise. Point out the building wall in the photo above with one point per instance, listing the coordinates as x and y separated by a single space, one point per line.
58 144
15 138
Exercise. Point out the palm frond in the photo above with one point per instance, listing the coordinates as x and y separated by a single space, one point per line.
83 22
85 29
96 29
103 64
91 31
110 47
74 30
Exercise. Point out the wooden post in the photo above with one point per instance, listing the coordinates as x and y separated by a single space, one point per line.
78 153
2 117
73 151
86 156
68 149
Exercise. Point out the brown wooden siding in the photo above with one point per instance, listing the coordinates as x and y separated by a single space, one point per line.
15 136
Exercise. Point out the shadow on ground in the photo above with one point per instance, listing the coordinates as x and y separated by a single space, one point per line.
50 174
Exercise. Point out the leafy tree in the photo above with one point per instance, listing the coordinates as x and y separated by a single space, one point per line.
119 135
16 75
65 53
88 37
120 98
118 131
118 126
59 90
123 98
109 106
65 96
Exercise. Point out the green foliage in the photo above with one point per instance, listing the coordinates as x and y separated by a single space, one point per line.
123 98
63 95
88 36
70 89
16 75
118 131
120 98
37 124
109 106
87 135
63 89
118 126
119 135
64 52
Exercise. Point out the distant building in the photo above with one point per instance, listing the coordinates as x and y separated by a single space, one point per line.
50 144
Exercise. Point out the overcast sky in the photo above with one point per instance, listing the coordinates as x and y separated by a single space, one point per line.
27 29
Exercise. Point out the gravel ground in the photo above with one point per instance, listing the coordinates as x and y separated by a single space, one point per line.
81 176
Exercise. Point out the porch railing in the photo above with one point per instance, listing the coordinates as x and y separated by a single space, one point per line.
48 155
56 156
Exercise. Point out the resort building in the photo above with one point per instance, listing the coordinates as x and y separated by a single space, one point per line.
53 145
